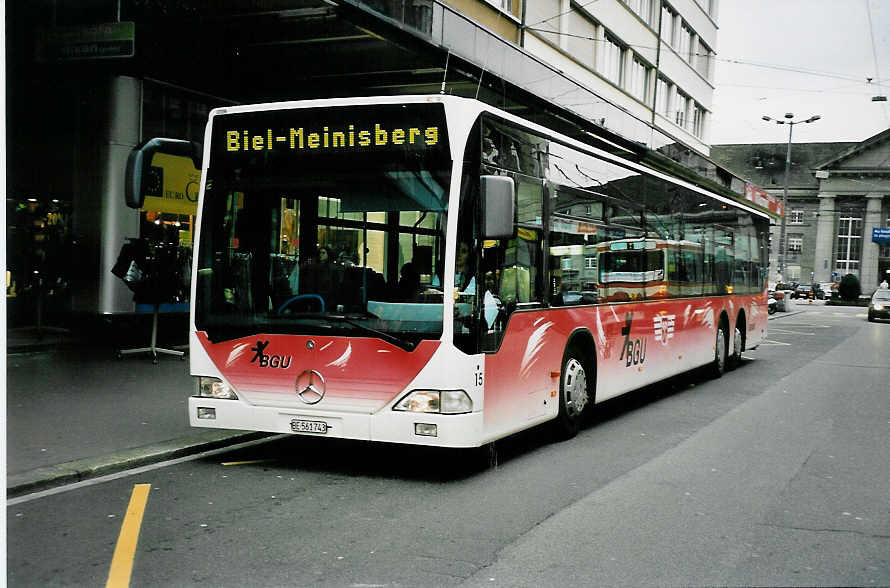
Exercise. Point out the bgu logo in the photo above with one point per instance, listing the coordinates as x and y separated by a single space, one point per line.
633 349
271 361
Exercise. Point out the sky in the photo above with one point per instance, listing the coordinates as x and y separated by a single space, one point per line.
832 38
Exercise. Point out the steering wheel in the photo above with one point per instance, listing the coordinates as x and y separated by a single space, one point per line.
311 298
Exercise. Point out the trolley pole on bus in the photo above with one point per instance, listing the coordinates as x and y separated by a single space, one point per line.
790 123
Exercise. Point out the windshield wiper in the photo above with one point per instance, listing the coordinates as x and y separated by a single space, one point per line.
389 338
351 321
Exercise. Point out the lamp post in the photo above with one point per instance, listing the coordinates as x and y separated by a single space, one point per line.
790 123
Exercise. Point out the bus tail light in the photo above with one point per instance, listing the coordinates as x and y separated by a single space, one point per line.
214 388
436 401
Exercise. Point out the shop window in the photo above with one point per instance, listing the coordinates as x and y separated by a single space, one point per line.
41 260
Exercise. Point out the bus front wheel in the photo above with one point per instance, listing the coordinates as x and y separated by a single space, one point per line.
574 395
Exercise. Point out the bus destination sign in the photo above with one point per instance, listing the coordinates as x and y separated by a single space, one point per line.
327 138
333 131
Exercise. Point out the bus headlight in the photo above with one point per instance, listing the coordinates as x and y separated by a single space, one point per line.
436 401
214 388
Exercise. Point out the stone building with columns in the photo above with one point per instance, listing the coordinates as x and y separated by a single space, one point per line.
837 194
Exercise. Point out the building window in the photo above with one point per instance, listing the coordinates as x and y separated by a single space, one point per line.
795 244
613 61
669 32
590 262
639 81
505 5
682 102
684 48
796 217
849 242
704 61
643 9
698 121
662 95
712 8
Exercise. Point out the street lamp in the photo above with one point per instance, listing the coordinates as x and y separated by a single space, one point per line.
790 123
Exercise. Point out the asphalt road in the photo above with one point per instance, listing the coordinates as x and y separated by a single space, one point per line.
775 474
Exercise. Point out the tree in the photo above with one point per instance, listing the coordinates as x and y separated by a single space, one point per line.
850 289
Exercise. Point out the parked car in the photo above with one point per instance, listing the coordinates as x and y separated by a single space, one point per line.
829 288
879 307
803 291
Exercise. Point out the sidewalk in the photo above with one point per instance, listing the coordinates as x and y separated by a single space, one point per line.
75 411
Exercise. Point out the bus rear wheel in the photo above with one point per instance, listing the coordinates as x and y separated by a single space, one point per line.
574 395
735 359
718 365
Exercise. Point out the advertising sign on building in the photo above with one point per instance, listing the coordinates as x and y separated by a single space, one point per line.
97 41
879 235
763 199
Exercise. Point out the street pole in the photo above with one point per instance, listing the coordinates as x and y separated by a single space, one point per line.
782 249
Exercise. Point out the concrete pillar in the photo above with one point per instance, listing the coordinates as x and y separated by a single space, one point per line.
823 261
870 250
102 220
565 8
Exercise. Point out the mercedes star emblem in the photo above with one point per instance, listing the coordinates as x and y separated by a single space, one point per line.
310 386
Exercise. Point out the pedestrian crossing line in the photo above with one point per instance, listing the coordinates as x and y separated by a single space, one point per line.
125 550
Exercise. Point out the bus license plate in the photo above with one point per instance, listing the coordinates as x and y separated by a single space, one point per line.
298 426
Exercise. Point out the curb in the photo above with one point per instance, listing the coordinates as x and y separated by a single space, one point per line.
47 477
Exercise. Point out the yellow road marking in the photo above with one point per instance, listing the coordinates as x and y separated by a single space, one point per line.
125 551
250 461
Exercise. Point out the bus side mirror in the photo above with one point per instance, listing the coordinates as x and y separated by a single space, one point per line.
143 179
498 207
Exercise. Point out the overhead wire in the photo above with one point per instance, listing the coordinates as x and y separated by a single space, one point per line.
848 77
874 51
562 13
871 82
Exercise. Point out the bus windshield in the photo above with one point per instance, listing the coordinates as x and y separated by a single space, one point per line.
325 221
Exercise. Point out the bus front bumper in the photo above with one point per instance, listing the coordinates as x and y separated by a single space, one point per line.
438 430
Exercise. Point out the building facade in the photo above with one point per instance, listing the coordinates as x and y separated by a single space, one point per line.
94 78
654 58
838 194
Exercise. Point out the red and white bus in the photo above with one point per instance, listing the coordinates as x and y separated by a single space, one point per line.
432 270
